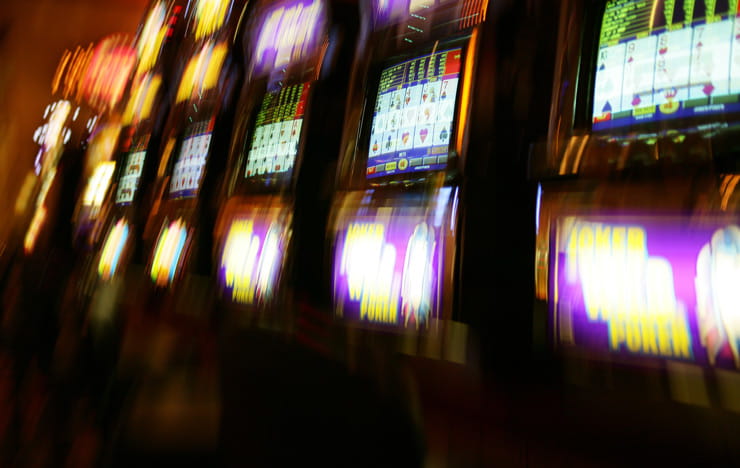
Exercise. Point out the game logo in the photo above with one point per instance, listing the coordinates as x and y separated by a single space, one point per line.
113 248
648 287
389 263
169 252
414 109
252 254
290 31
661 60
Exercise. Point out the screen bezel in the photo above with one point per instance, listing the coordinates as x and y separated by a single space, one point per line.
586 77
362 148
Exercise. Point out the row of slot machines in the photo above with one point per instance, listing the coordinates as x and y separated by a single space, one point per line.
390 167
275 166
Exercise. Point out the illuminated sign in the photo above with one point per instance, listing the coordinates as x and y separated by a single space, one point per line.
664 59
210 16
112 250
141 99
98 184
650 288
289 33
252 256
388 263
151 37
168 251
202 72
107 72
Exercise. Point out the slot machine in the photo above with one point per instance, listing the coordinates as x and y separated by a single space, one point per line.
115 237
286 44
199 126
395 216
637 211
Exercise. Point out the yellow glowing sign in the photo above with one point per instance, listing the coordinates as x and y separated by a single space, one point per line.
112 250
202 72
141 100
627 289
167 253
250 265
210 16
151 38
369 265
98 184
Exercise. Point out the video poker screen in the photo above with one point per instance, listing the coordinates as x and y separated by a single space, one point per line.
414 110
188 170
659 60
128 180
277 132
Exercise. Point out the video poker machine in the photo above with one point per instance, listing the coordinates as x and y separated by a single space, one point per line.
176 235
637 209
275 139
395 223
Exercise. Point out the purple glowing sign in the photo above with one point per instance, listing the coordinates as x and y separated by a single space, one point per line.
290 31
649 287
388 264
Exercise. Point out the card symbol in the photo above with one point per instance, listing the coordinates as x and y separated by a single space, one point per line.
663 50
636 100
443 134
708 89
607 107
671 93
602 67
629 60
375 147
423 134
388 143
424 97
405 137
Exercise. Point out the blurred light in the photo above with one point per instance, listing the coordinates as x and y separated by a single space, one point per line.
289 33
25 193
107 73
112 249
169 248
52 136
417 274
32 233
210 16
248 272
151 38
202 72
141 99
98 184
538 205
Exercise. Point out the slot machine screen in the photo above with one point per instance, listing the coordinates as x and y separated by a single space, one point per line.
660 60
413 115
188 170
129 178
277 131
